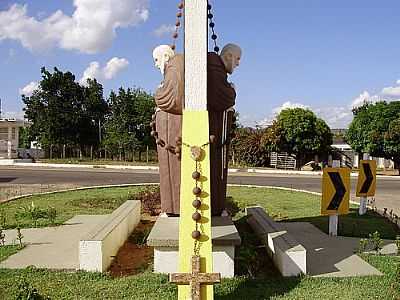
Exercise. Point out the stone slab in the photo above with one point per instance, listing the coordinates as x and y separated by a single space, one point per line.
165 232
51 247
164 239
288 255
98 248
331 256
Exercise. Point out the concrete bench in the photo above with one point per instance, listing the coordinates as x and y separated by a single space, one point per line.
164 237
98 248
288 255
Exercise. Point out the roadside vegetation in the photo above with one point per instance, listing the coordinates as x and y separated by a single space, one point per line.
257 278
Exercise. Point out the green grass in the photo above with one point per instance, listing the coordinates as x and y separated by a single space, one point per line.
81 285
67 205
6 251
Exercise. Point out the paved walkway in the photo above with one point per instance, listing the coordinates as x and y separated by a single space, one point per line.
52 247
332 256
58 248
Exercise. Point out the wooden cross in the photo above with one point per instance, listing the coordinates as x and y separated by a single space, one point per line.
195 279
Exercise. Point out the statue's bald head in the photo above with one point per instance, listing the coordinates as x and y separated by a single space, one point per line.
161 55
231 55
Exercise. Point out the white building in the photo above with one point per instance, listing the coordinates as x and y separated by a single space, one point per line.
9 137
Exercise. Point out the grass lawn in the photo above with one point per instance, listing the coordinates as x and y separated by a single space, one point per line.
6 251
283 205
67 205
80 285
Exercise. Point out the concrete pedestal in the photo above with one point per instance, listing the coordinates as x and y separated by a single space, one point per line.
165 235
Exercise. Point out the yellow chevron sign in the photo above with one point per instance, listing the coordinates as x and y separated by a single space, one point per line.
366 185
335 191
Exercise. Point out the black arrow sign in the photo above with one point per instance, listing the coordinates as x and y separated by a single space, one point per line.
369 178
340 191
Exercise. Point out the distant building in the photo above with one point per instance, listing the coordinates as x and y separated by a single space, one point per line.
9 137
349 155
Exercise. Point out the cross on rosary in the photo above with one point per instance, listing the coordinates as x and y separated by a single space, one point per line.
195 279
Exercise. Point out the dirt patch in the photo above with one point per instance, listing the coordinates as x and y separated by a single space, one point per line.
135 256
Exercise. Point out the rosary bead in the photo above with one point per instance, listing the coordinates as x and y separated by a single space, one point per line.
212 24
178 150
212 139
173 47
153 117
196 175
216 49
196 204
196 234
154 134
178 23
209 6
181 5
197 191
210 16
196 217
179 15
175 35
214 37
196 153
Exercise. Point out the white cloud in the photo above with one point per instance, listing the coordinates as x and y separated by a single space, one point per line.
29 88
335 116
91 28
109 71
164 30
276 111
363 98
398 82
286 105
391 91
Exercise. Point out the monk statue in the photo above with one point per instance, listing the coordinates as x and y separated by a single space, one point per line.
221 97
167 123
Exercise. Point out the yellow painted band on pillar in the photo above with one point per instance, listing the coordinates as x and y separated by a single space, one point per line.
195 132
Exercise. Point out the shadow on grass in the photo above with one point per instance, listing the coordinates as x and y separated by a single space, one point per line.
257 276
353 225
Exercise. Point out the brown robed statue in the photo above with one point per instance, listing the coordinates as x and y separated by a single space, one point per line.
167 126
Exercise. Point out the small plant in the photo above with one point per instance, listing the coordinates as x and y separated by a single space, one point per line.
362 246
27 292
2 237
52 215
20 237
376 241
139 238
397 241
32 212
3 219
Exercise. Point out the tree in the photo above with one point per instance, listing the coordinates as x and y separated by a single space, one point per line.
127 126
299 131
247 147
62 112
374 130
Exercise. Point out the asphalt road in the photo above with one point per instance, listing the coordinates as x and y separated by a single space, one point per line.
388 189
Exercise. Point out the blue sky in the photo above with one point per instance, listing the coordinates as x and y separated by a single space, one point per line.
325 55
